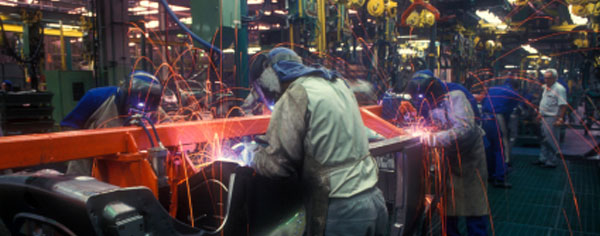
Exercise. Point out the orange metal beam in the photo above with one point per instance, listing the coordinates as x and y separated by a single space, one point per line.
378 124
35 149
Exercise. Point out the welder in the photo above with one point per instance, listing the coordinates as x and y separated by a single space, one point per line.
498 105
464 154
424 108
316 135
6 86
111 106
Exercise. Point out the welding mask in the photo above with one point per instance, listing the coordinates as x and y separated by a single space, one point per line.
141 95
425 90
267 72
264 80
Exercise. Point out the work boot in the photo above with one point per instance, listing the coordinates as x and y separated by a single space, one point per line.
538 163
549 166
502 184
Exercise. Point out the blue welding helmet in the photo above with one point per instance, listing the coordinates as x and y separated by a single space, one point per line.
141 95
425 90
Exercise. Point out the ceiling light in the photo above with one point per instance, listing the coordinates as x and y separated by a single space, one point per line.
179 8
489 17
576 19
136 9
186 20
253 50
406 36
151 12
510 67
148 4
406 51
152 24
529 49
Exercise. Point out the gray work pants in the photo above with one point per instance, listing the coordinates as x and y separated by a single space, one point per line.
364 214
550 140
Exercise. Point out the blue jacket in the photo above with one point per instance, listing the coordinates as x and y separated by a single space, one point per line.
88 104
501 100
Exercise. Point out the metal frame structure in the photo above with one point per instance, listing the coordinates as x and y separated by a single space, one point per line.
38 149
121 154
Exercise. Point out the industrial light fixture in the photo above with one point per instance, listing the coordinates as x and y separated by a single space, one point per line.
253 50
406 51
152 24
510 67
576 19
529 49
406 36
66 27
147 7
186 20
8 4
489 17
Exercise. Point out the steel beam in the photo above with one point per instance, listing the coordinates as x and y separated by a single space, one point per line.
29 150
35 149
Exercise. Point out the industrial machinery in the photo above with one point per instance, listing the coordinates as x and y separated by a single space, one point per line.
127 194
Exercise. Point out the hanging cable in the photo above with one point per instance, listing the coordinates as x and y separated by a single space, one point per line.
187 30
141 124
153 129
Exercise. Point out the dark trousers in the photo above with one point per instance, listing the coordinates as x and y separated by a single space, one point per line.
495 152
476 225
362 215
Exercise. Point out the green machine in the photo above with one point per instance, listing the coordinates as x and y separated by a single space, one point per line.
211 16
68 88
206 20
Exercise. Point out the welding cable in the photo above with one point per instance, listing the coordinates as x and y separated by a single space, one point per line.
187 30
153 129
141 124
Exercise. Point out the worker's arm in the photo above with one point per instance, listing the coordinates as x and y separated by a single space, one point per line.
284 154
460 115
562 103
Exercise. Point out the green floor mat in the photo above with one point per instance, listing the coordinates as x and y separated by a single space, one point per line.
541 200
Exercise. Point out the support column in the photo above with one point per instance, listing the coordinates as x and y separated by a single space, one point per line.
114 63
241 52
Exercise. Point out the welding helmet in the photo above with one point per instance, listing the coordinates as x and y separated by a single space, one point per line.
268 71
425 90
141 95
6 85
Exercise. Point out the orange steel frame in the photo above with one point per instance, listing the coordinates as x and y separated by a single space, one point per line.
120 155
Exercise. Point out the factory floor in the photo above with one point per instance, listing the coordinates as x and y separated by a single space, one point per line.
547 201
544 201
